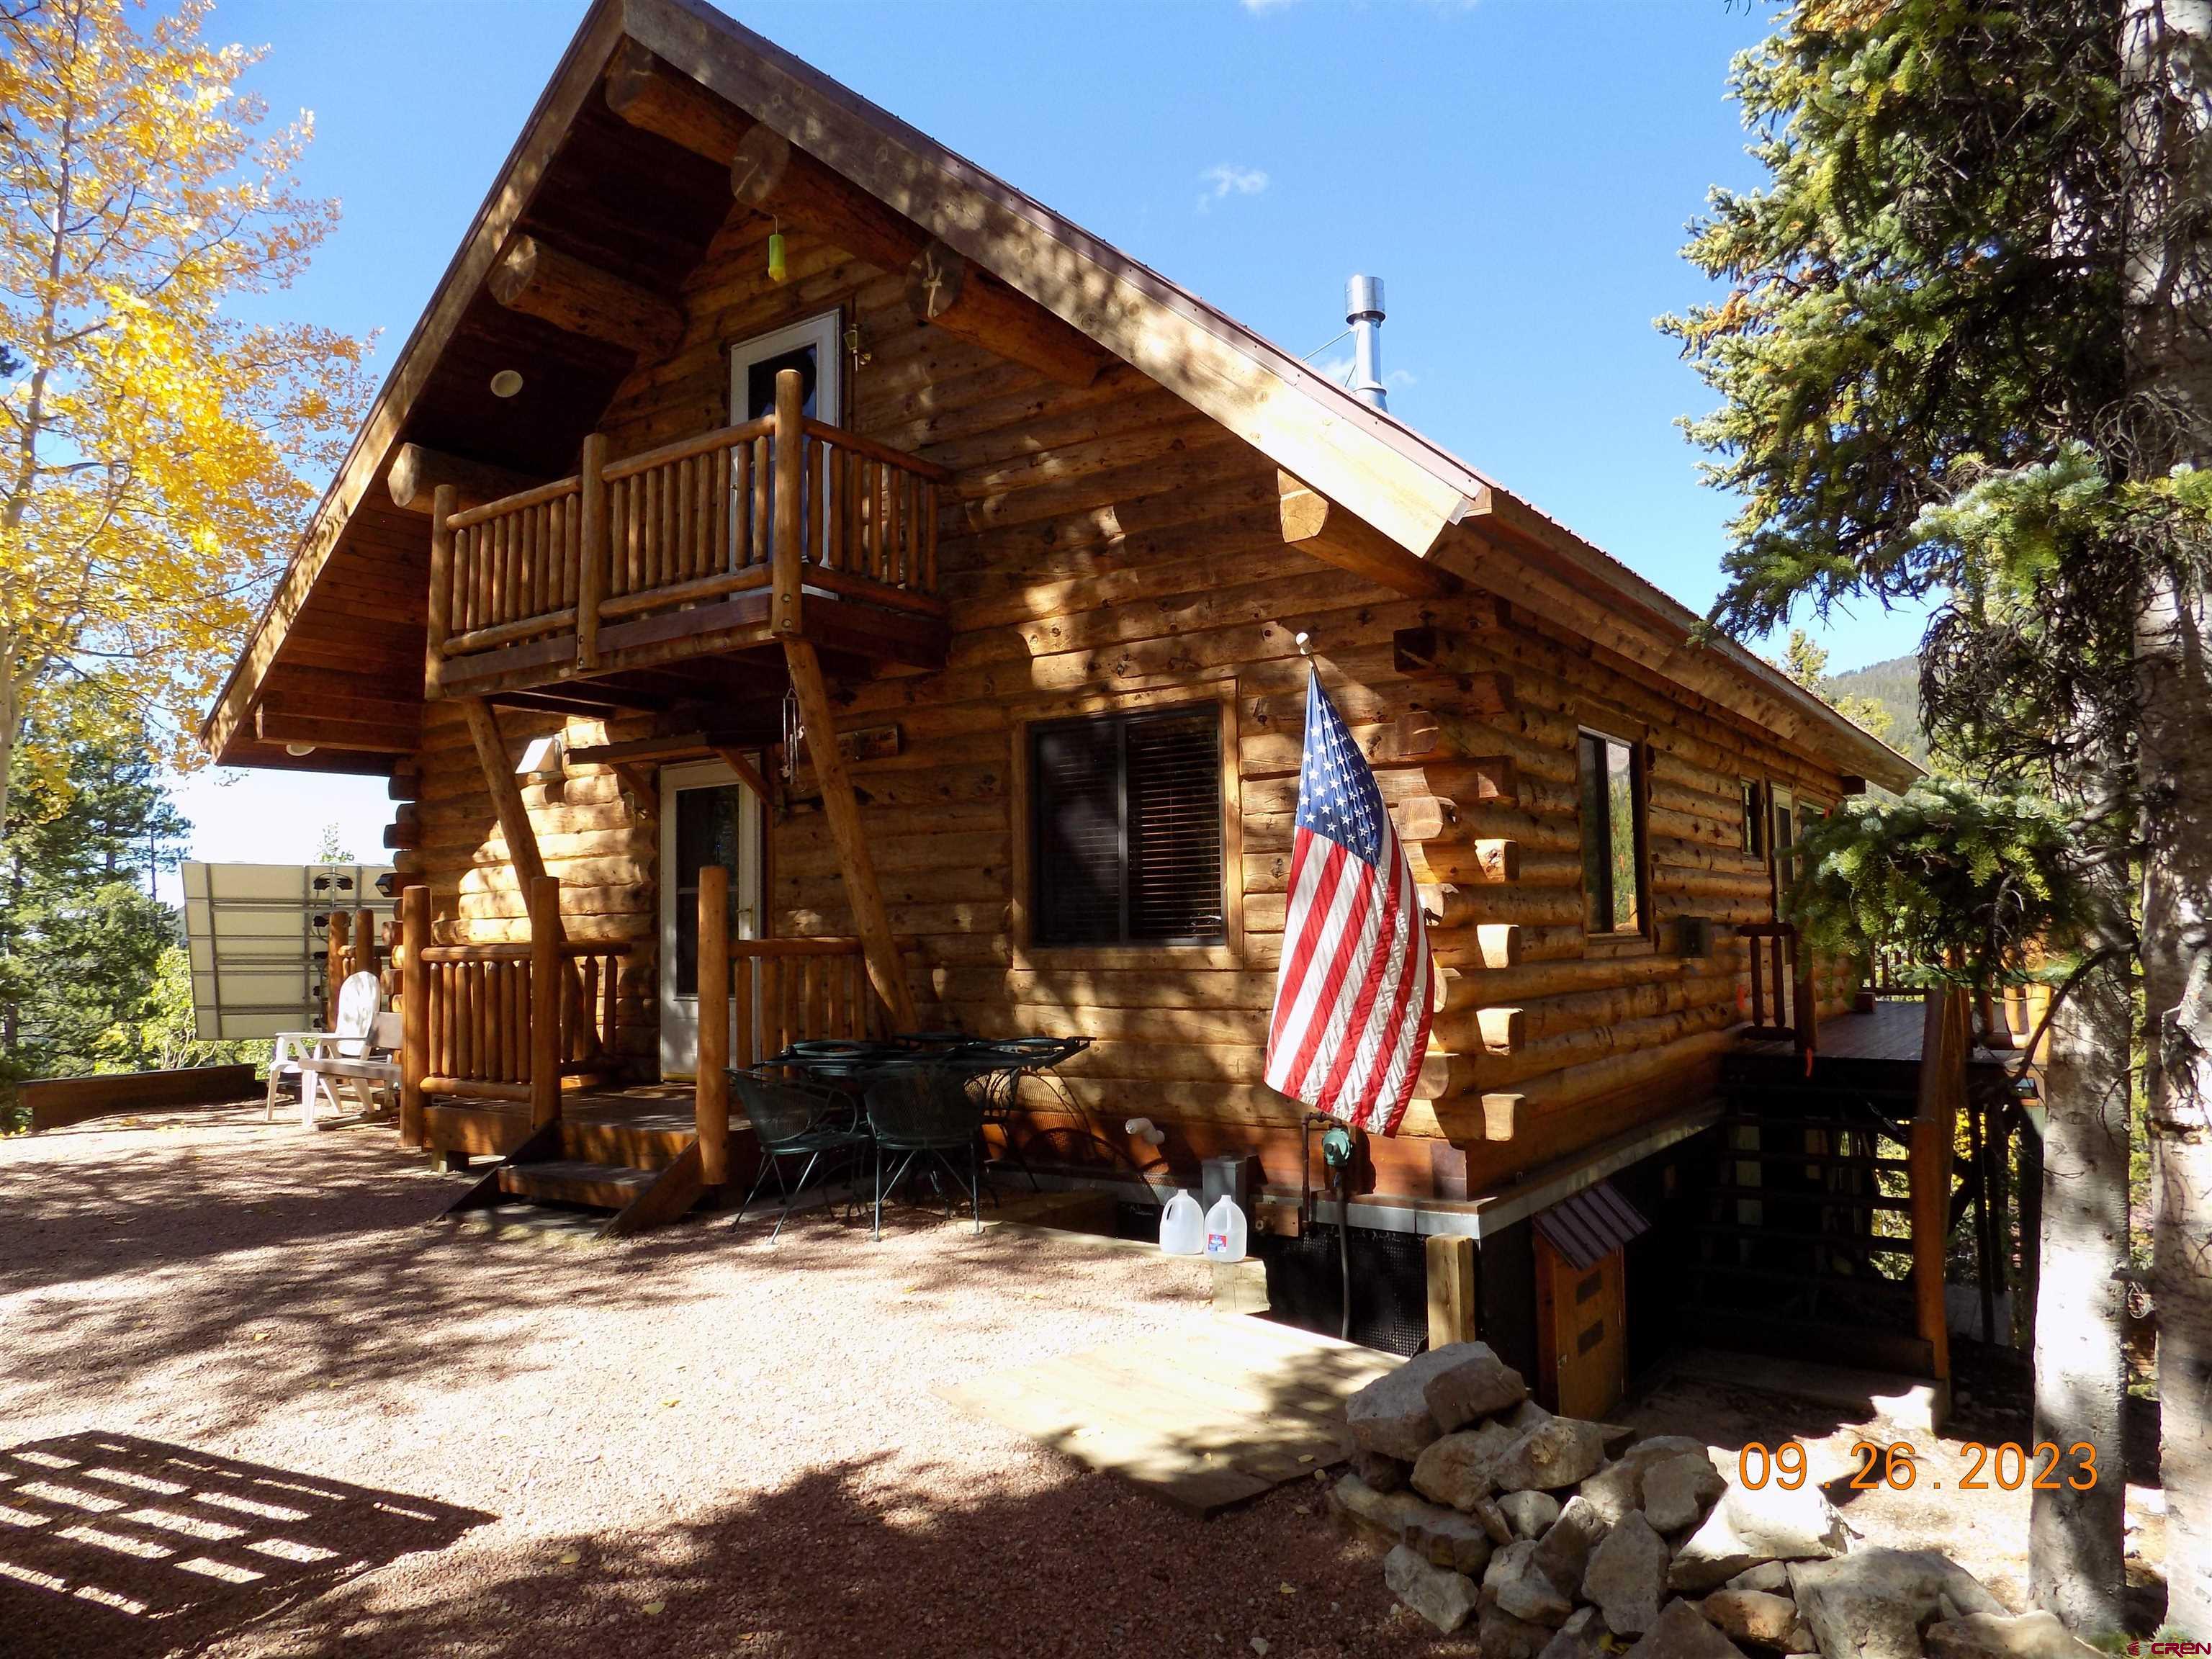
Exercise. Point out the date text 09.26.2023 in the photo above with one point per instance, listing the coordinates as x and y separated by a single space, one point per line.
2007 1466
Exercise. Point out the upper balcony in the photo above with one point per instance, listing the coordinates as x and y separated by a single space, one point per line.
781 527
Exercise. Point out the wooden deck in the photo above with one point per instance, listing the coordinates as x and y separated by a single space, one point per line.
1892 1032
1205 1419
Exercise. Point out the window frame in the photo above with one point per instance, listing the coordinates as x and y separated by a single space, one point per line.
1754 834
1640 788
1026 953
1122 723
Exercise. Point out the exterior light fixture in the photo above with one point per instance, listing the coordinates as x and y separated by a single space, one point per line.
298 750
506 383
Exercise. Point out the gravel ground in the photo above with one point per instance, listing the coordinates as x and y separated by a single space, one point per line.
694 1443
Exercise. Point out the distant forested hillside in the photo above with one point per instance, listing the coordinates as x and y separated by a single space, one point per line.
1896 684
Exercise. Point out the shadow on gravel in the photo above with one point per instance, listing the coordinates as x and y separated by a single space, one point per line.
127 1548
835 1563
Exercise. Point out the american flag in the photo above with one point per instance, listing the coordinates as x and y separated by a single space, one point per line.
1351 997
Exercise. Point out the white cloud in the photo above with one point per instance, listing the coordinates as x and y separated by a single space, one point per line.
1226 178
1265 5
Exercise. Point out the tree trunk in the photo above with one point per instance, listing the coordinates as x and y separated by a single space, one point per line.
2166 66
2077 1540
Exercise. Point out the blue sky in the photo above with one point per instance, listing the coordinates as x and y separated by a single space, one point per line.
1519 174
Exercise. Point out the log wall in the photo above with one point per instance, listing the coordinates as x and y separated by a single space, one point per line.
1104 544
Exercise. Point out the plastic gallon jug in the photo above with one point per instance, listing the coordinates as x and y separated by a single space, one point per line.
1224 1231
1182 1227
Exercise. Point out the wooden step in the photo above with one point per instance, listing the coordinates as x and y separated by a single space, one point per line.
572 1181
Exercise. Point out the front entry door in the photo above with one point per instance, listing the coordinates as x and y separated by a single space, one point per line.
706 817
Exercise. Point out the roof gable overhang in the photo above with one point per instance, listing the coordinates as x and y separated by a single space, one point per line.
1423 501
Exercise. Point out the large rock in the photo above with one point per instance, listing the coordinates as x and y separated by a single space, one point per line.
1503 1637
1449 1538
1391 1416
1580 1637
1457 1469
1998 1636
1750 1525
1564 1549
1677 1489
1387 1512
1660 1447
1558 1453
1772 1577
1474 1384
1526 1415
1615 1490
1384 1474
1440 1595
1681 1632
1516 1582
1528 1513
1750 1615
1627 1575
1871 1604
1493 1521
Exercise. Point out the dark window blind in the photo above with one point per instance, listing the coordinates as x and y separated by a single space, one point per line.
1126 829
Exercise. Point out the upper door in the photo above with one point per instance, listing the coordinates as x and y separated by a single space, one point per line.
706 817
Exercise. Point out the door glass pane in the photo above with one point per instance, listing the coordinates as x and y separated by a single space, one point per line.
760 382
705 832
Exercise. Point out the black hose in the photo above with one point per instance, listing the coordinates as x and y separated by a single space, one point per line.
1344 1249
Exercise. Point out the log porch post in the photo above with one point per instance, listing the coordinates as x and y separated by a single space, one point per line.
334 965
414 1012
711 1086
788 544
445 501
1934 1126
594 548
886 971
547 984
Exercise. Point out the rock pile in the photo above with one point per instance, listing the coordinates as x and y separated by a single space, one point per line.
1560 1538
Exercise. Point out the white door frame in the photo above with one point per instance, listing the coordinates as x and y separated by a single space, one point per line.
824 332
679 1014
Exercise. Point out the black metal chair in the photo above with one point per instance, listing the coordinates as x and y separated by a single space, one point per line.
1003 1065
794 1120
924 1111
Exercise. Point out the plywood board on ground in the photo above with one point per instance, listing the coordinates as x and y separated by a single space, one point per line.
1206 1418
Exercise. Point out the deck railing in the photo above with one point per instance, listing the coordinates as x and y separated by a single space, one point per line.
783 502
507 1021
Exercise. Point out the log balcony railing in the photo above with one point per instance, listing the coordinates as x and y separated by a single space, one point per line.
782 527
504 1022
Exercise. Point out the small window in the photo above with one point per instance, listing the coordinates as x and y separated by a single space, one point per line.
1613 835
1126 830
1754 820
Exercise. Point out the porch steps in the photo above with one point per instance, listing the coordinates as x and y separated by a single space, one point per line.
647 1175
574 1181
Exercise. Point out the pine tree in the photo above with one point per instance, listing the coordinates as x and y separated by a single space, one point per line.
81 935
1927 368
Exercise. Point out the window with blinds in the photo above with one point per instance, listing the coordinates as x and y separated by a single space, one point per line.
1126 830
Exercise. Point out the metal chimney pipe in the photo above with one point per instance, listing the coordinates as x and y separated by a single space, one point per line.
1362 311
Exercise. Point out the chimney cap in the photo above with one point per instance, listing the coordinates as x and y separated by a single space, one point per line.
1363 297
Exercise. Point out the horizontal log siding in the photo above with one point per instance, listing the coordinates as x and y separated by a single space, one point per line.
1108 539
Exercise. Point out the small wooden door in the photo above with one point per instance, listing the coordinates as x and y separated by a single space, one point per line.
1581 1344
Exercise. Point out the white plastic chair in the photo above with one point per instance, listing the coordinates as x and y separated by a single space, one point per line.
355 1061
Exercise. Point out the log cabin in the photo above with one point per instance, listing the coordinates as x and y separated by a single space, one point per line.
785 556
